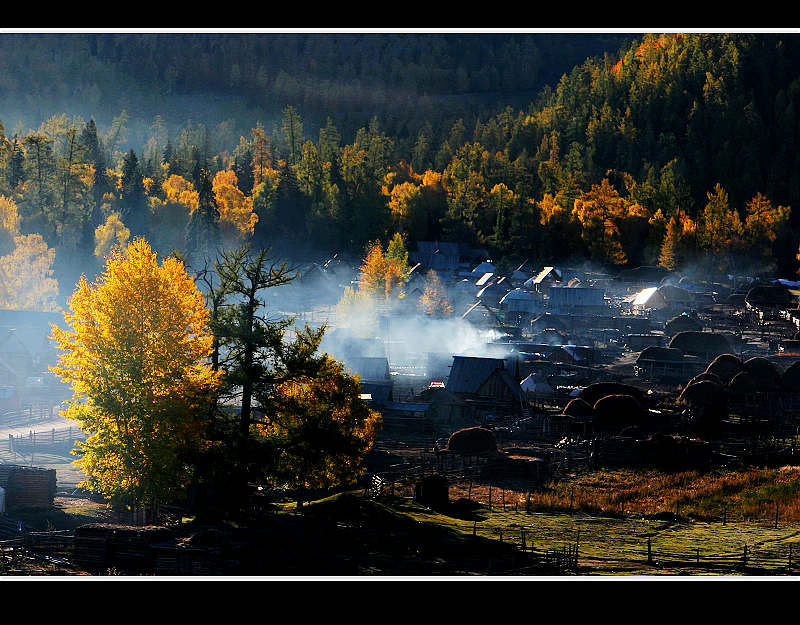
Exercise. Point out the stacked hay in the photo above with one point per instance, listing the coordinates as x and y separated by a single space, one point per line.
682 323
766 375
703 394
790 380
660 354
706 375
725 366
594 392
577 408
702 344
472 441
709 405
742 384
619 410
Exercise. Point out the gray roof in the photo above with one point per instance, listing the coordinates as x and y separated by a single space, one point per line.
370 369
468 373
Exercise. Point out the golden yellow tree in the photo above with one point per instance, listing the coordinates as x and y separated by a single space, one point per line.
236 217
110 234
136 353
26 276
9 222
178 190
434 300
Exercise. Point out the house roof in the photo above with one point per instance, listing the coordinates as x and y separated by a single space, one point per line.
468 373
370 369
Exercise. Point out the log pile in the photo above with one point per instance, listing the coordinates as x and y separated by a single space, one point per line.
103 546
28 487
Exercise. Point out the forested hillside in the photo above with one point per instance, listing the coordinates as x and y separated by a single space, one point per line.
678 150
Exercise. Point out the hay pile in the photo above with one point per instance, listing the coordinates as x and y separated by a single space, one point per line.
472 441
725 366
577 408
790 380
682 323
703 394
619 410
594 392
766 374
703 344
743 383
660 354
706 375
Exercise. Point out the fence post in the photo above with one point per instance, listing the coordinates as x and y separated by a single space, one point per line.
649 552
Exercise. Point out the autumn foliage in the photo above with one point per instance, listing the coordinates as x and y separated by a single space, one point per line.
136 353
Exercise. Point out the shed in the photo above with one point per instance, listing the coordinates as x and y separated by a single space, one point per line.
518 301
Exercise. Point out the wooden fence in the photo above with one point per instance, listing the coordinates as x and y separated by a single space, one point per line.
45 441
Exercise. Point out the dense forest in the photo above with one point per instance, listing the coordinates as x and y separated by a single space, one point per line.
673 149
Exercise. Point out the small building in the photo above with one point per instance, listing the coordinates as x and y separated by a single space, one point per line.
576 299
518 301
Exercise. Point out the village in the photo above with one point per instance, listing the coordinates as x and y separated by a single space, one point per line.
643 368
539 374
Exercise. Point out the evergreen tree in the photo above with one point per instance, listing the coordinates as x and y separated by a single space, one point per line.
134 210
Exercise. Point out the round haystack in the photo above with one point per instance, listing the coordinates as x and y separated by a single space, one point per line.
592 393
706 375
725 366
743 383
660 354
702 394
578 408
704 344
766 374
472 441
619 410
682 323
790 380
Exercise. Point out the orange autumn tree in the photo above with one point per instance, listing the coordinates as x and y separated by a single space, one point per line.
136 353
317 425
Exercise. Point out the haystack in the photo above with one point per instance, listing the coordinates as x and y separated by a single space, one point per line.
660 354
725 366
578 408
702 394
594 392
682 323
706 375
766 374
619 410
704 344
743 383
472 441
790 380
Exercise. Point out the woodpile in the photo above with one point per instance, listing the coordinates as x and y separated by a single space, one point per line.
103 546
28 487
